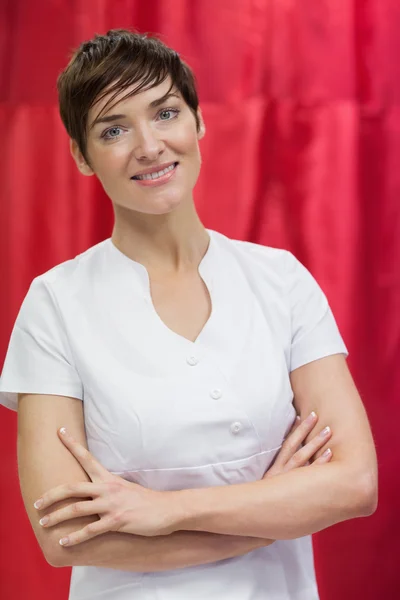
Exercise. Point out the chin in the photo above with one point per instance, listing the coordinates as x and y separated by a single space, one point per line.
161 206
166 209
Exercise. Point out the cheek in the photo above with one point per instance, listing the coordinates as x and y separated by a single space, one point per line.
185 141
109 162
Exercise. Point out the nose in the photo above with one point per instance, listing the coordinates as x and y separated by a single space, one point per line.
148 145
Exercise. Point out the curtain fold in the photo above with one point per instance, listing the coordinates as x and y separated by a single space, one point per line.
301 103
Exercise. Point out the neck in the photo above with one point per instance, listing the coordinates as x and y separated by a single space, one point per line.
165 244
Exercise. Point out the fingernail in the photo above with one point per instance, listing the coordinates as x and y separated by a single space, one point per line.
327 452
298 418
38 503
63 431
64 541
325 432
44 521
311 417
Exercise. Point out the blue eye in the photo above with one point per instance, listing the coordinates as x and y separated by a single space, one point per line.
168 111
106 135
166 114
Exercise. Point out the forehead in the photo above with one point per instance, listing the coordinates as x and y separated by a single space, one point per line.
138 100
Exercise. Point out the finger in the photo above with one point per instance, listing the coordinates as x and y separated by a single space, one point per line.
295 425
324 458
295 439
277 465
93 468
78 509
90 531
81 489
302 456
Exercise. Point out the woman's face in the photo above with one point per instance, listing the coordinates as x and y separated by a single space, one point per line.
146 132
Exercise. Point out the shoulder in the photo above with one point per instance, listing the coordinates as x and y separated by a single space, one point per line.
54 288
80 264
257 260
252 250
277 264
274 274
72 273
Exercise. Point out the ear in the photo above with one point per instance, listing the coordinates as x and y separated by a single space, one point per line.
202 130
81 163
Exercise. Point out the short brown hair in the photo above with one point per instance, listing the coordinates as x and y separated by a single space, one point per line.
112 63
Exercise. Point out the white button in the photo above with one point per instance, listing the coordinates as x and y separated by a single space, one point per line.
192 361
216 394
236 427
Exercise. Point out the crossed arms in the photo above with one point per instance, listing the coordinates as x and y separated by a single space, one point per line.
215 523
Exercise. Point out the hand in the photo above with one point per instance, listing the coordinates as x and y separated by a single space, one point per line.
121 505
292 455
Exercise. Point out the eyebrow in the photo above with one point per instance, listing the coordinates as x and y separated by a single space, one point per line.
154 104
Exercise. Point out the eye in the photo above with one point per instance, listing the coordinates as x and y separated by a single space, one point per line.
165 114
108 134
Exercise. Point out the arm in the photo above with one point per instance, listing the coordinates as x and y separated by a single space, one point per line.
43 463
127 552
295 453
302 501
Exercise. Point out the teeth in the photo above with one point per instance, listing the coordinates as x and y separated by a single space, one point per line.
156 175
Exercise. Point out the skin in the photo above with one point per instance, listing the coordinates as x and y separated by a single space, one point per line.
290 505
158 227
118 502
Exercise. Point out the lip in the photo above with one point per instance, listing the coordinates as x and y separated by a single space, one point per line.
154 169
160 180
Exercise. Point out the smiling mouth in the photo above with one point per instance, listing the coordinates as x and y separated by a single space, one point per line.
156 175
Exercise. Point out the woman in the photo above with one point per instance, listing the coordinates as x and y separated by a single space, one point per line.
179 358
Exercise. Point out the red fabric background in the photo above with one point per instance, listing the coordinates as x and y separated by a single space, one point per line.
301 102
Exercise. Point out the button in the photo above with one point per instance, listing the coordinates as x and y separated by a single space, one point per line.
216 394
192 361
236 427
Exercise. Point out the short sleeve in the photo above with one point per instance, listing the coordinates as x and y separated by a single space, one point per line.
38 359
315 333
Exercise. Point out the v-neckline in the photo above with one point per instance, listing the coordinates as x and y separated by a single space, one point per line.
206 275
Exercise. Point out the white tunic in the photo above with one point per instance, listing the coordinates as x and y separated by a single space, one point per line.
168 413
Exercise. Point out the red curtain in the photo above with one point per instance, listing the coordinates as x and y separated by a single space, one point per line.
301 102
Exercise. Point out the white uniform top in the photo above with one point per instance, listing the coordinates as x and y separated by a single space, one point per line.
168 413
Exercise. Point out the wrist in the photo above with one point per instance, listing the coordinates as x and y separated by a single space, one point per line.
181 513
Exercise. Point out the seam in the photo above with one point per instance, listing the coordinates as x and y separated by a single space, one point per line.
227 462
